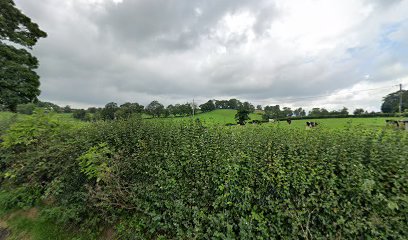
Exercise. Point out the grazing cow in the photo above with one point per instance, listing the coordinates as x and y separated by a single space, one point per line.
311 124
392 122
289 121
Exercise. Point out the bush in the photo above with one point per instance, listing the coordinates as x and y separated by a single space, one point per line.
27 108
180 180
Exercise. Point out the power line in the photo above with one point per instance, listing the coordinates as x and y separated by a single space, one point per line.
327 95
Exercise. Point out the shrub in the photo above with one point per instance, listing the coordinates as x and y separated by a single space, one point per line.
180 180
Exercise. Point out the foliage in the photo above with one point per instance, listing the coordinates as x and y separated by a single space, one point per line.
208 106
358 111
94 162
18 81
155 109
242 115
108 112
127 110
181 180
391 102
27 108
79 114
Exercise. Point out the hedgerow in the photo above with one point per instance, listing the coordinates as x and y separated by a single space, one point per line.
182 180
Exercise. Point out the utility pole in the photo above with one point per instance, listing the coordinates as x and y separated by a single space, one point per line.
400 102
193 107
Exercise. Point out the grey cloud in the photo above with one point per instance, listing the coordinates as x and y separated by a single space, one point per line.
167 50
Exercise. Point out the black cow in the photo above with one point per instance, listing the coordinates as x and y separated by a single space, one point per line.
289 121
311 124
392 122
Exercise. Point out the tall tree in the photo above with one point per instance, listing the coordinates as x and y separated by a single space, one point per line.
391 102
358 111
108 112
155 108
299 112
272 112
208 106
242 115
19 83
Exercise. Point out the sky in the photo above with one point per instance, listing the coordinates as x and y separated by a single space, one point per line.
295 53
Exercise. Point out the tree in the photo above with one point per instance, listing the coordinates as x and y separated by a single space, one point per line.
221 104
287 112
108 112
249 107
391 102
234 103
19 83
299 112
49 106
358 111
259 107
79 114
155 108
208 106
128 110
242 115
67 109
272 112
344 111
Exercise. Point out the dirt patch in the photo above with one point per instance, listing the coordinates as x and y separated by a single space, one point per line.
107 234
4 233
31 213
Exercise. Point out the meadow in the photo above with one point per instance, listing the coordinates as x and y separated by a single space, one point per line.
183 179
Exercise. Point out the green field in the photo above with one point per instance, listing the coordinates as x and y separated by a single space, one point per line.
223 116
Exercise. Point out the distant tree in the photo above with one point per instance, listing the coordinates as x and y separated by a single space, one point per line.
259 107
391 102
79 114
299 112
324 112
49 106
67 109
19 83
177 110
170 109
242 115
128 110
248 106
315 112
272 112
155 109
234 103
287 112
358 111
108 112
221 104
92 109
208 106
318 112
344 111
186 109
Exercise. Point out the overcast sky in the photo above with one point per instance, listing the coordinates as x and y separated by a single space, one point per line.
264 51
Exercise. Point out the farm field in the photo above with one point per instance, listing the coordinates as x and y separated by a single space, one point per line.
220 116
224 116
341 123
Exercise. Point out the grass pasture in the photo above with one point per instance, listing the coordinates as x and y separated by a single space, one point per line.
223 116
340 123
